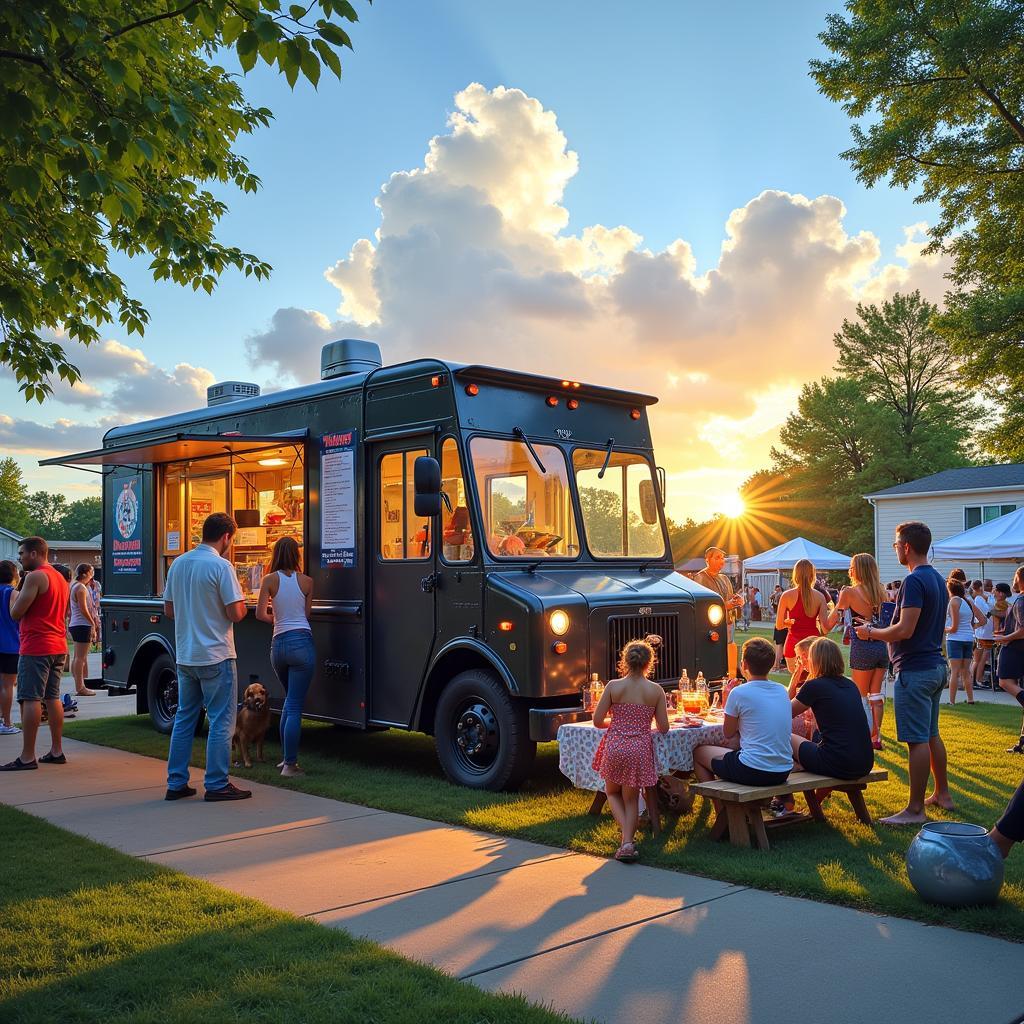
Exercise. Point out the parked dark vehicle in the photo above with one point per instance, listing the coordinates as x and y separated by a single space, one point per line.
481 541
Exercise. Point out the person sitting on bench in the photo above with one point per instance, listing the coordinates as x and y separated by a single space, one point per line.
758 713
845 750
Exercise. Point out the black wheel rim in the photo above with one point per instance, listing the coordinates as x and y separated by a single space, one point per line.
167 693
476 739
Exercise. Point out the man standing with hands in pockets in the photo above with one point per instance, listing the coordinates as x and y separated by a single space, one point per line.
204 599
921 671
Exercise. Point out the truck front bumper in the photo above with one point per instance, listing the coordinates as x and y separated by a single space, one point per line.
544 722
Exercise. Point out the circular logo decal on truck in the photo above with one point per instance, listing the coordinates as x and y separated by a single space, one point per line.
126 511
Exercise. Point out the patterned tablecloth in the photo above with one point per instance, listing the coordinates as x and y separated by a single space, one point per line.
673 751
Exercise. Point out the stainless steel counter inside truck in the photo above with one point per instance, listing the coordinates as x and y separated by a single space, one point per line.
481 541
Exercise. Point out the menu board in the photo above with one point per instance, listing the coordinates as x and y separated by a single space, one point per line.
338 500
126 539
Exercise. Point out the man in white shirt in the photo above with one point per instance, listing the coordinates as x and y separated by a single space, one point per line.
204 599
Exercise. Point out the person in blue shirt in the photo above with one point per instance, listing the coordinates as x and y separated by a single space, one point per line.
921 671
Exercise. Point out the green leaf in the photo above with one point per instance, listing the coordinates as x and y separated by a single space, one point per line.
114 69
310 67
247 60
20 176
247 43
266 29
111 207
345 9
328 56
334 34
297 11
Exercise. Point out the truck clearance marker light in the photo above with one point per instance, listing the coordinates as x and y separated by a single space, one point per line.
472 390
573 403
506 626
634 414
560 647
713 636
551 401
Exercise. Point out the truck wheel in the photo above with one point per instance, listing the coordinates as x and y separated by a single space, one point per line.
483 735
162 691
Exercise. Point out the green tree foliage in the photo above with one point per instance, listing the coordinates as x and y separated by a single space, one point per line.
46 513
13 498
893 413
936 90
83 520
114 117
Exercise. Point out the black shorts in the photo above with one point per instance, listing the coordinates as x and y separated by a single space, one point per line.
80 634
815 759
732 769
8 664
779 635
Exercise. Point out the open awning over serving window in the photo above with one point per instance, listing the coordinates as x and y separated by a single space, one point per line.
176 448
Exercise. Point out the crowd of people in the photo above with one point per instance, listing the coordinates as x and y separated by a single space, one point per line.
825 722
41 609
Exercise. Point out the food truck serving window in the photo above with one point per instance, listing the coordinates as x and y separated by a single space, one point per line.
263 490
527 513
620 509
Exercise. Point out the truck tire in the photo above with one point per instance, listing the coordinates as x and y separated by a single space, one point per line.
162 695
483 734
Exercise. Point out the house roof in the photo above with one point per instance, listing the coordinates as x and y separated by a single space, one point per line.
11 534
969 478
74 545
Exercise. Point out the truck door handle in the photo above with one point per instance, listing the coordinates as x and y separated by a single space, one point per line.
428 583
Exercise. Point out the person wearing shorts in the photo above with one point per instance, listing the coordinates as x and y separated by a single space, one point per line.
1010 667
959 640
758 715
41 608
82 628
9 643
915 649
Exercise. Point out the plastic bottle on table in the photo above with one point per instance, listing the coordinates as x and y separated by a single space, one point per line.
596 688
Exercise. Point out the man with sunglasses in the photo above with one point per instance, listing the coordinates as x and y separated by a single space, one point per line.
921 671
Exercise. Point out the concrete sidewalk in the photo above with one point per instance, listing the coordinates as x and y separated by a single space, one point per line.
588 936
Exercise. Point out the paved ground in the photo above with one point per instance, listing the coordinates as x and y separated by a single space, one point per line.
588 936
100 706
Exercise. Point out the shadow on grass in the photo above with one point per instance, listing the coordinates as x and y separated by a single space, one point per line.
125 940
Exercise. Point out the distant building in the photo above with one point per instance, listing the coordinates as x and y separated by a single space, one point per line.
949 502
72 552
9 541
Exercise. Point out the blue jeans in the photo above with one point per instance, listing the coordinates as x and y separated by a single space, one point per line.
293 656
216 686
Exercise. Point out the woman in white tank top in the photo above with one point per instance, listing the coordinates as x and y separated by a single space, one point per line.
959 640
286 600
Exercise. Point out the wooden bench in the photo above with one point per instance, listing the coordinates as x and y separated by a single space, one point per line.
739 807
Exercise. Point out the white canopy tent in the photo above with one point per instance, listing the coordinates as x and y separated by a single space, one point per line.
786 555
1000 540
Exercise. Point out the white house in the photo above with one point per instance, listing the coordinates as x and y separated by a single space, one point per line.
9 542
949 502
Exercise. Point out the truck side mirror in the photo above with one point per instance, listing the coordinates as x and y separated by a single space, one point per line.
648 502
426 478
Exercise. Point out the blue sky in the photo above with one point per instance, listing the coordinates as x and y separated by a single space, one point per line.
679 113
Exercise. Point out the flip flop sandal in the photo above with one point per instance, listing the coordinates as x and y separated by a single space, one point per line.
627 854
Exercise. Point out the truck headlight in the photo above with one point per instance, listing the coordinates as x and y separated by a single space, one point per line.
715 613
559 622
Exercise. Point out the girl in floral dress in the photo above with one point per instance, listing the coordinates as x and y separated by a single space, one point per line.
625 757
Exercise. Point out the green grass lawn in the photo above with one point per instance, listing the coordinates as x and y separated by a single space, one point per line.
88 934
841 861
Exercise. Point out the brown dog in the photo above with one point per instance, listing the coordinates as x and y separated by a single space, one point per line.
251 723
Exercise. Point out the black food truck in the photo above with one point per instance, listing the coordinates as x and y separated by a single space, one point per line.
481 542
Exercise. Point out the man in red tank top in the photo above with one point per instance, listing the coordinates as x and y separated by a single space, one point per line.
41 607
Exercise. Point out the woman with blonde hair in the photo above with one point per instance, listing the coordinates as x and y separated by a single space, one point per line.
802 610
844 750
286 600
625 756
868 658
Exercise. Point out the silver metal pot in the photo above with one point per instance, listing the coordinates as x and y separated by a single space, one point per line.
956 864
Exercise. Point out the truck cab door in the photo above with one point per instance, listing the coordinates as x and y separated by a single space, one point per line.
403 577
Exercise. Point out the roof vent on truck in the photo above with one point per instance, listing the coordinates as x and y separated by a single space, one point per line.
349 355
231 391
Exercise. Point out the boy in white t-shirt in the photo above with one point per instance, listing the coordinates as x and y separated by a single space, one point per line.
760 716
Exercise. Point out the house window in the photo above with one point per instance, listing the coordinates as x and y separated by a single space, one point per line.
975 515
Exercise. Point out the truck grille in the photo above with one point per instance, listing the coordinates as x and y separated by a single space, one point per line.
637 627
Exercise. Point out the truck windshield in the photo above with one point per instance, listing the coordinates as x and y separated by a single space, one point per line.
620 509
527 514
